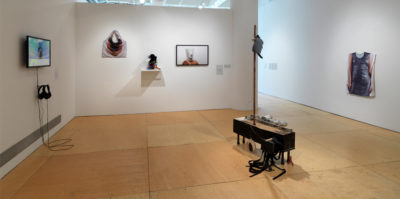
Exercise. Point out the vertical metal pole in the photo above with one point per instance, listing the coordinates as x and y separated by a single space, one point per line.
254 79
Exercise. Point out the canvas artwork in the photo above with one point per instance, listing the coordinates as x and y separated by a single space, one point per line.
114 46
361 74
192 55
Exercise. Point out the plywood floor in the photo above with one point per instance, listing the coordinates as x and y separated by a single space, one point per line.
193 154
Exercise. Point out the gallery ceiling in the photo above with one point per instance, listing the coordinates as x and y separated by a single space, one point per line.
216 4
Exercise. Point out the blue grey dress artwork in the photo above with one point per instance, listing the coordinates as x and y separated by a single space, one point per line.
361 74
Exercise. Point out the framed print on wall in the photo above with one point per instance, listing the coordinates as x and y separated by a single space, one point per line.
192 55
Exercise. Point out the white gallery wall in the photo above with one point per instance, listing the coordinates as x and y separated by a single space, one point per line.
2 116
50 19
118 86
244 19
310 40
83 83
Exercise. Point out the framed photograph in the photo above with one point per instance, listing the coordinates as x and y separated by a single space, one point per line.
192 55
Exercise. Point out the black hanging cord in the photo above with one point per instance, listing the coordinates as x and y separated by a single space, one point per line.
56 145
266 160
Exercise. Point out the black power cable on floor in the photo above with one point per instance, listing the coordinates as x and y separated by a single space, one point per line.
56 145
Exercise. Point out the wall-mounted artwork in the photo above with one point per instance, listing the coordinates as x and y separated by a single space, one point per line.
360 74
114 46
38 52
192 55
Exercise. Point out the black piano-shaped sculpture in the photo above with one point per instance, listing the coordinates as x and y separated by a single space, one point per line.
274 140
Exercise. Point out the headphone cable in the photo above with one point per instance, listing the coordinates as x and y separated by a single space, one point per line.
53 145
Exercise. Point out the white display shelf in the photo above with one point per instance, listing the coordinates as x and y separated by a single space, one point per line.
154 74
150 70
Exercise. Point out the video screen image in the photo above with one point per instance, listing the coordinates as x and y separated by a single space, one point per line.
39 52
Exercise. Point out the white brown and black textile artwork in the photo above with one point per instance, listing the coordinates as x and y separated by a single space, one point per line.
114 46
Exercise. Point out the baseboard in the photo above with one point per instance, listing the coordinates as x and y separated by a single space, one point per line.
20 146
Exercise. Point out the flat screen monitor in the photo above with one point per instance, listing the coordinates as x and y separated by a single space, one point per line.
38 52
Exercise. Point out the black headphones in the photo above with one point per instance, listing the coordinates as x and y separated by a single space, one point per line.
44 92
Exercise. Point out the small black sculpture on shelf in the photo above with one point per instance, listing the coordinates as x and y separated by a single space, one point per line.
153 62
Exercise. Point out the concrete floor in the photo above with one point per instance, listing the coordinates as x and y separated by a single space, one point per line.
183 155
